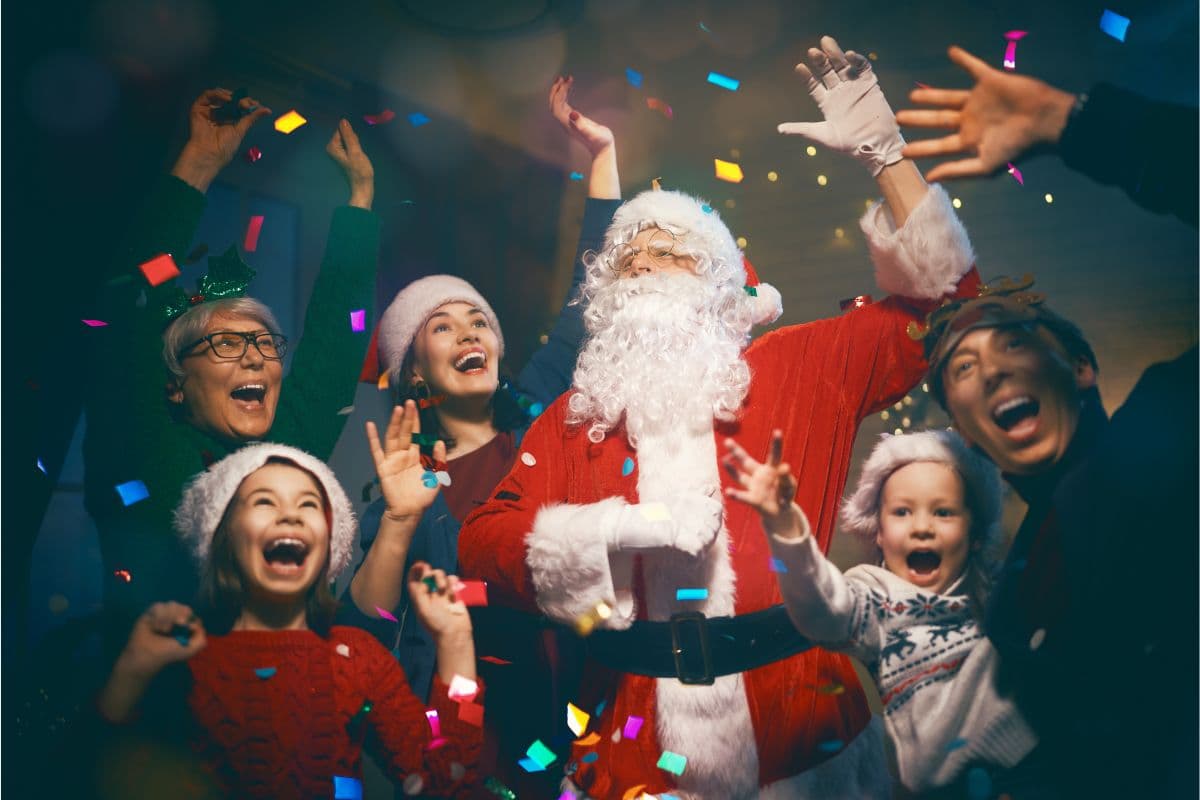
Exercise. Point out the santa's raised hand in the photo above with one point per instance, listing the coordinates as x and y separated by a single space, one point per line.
858 120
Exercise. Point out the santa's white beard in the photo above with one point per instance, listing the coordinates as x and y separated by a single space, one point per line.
665 352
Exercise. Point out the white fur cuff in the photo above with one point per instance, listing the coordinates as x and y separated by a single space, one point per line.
926 257
571 567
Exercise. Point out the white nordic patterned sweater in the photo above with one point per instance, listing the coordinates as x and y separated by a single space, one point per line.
932 664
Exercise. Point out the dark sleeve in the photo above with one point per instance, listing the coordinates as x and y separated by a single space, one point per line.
324 373
548 373
1147 148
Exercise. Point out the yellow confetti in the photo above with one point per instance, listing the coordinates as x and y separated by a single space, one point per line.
728 171
585 623
772 176
822 180
577 719
289 122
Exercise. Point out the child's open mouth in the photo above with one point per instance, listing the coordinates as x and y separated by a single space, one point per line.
924 562
285 555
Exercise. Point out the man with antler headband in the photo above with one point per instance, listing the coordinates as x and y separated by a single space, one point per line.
1095 626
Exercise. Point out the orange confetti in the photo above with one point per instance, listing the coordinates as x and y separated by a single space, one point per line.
588 740
658 105
382 382
159 269
635 793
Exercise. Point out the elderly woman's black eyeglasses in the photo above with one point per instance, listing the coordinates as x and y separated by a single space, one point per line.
232 344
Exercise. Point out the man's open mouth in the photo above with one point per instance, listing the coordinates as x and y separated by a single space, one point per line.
1010 413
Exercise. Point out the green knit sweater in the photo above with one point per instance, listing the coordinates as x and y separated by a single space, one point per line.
131 433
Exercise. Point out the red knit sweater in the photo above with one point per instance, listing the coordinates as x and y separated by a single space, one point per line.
289 732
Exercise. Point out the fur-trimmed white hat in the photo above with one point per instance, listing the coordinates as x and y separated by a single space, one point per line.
411 308
701 229
209 494
981 479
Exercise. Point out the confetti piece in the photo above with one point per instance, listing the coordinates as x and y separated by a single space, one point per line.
528 460
536 409
123 575
777 566
634 77
264 672
568 795
632 726
1010 52
672 762
435 725
414 783
830 745
472 593
954 745
462 690
654 512
577 719
132 492
655 104
499 789
431 401
1036 640
1114 24
417 119
854 302
831 688
667 797
289 122
159 269
250 244
599 708
382 383
494 659
430 583
253 155
921 85
382 118
529 765
181 634
576 176
634 793
429 479
590 758
728 171
42 467
346 788
1016 173
385 614
443 477
95 323
347 410
706 208
457 771
585 623
424 439
343 650
691 594
541 754
588 740
358 320
627 467
724 81
471 713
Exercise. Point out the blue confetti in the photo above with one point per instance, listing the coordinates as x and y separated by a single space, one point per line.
777 565
529 765
264 672
536 410
590 758
1114 24
706 208
704 28
417 119
132 492
430 479
600 708
691 594
576 176
42 467
830 745
346 788
627 467
181 634
724 81
634 77
979 784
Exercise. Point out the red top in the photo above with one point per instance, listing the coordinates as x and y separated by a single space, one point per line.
289 732
475 475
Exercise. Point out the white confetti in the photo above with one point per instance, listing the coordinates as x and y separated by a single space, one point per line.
413 784
1036 640
343 650
457 771
443 477
527 459
346 410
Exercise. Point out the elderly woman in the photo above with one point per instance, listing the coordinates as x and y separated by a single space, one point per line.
223 353
441 345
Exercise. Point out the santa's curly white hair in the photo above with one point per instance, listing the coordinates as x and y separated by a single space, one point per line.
664 349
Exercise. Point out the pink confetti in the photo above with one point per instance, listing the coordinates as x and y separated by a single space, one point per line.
435 726
1016 173
1010 52
385 614
252 230
253 155
922 85
358 320
632 726
95 323
382 118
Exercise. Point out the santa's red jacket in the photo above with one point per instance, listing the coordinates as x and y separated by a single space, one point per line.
540 546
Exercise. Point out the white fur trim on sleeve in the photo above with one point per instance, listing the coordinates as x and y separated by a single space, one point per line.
571 567
926 257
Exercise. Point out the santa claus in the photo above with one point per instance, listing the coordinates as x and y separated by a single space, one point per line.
617 496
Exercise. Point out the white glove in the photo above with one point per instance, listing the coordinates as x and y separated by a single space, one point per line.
688 522
858 120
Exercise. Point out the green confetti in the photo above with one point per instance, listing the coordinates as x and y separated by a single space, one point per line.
672 762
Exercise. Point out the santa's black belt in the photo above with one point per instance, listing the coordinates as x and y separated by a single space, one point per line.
696 649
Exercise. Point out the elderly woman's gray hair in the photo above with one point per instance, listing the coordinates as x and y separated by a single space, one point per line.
193 324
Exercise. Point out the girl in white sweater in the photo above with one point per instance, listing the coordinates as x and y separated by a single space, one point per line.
933 509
